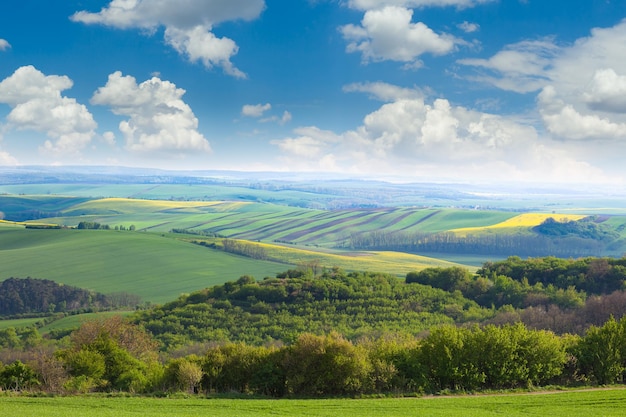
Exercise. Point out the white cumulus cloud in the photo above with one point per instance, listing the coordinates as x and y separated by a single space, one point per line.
255 110
389 34
581 86
607 91
468 27
383 91
377 4
37 104
188 25
159 120
419 139
585 97
564 121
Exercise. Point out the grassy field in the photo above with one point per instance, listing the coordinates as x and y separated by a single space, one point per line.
65 323
160 267
16 323
75 321
156 268
604 403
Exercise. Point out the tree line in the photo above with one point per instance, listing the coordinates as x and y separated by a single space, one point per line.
480 244
86 225
114 355
30 296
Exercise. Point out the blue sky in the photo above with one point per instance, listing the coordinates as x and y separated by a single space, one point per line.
419 90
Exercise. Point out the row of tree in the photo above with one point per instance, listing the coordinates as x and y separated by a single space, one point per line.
86 225
480 244
114 355
240 247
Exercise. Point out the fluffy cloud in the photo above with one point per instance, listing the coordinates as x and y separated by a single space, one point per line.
255 110
607 91
468 27
4 45
258 110
585 97
159 120
7 160
312 147
37 104
564 121
389 34
582 87
188 25
521 67
419 139
383 91
377 4
284 119
198 44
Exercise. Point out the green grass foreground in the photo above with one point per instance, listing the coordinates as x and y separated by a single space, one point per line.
601 402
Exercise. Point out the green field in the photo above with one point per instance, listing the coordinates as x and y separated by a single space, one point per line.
66 323
604 403
17 323
156 268
159 266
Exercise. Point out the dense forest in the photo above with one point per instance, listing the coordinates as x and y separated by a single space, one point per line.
24 296
29 296
355 304
513 324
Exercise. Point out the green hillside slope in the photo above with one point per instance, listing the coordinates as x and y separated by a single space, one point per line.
280 309
156 268
271 222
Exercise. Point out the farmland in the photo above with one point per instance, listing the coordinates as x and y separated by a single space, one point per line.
158 265
155 268
292 223
607 402
270 222
523 221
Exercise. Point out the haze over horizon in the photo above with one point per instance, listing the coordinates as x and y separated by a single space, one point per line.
455 90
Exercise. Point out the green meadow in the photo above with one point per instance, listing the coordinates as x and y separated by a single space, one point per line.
604 403
157 269
160 267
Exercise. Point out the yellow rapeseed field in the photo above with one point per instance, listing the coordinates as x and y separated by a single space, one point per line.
524 220
392 262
